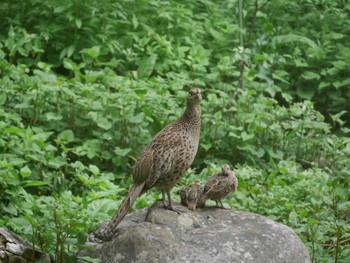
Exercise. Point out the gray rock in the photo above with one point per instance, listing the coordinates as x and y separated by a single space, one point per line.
15 250
205 235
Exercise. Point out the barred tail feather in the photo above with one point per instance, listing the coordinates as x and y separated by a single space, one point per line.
105 231
123 209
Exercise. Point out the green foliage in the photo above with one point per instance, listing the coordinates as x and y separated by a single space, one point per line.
303 48
85 85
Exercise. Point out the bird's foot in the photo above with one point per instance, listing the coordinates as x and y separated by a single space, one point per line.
172 208
222 207
99 236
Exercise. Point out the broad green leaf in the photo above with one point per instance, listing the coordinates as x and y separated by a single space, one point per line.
313 221
300 63
327 200
60 9
287 97
11 162
94 169
83 178
343 83
13 130
146 67
335 35
121 152
232 134
135 22
51 116
317 52
2 99
245 136
308 75
68 64
218 116
342 192
258 152
137 118
281 75
57 162
282 39
206 146
305 92
93 52
70 50
323 85
24 105
277 154
42 136
104 123
89 259
25 171
78 23
340 64
68 92
35 183
216 34
20 221
11 209
66 136
345 206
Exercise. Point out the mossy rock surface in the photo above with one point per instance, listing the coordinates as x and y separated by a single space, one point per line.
205 235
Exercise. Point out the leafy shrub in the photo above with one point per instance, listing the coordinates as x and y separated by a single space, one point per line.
86 84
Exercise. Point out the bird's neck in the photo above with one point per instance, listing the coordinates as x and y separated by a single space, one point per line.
192 113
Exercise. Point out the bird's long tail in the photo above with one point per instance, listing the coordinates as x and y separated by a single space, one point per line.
127 203
129 200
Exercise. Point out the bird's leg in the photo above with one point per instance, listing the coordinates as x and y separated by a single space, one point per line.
170 205
219 204
222 206
163 195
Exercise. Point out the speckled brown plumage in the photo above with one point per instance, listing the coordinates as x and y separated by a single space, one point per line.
220 185
190 195
163 161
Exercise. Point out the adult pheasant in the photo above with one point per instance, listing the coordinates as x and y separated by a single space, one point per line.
163 161
190 195
219 186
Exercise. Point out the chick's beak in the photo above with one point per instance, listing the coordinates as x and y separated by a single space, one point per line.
199 96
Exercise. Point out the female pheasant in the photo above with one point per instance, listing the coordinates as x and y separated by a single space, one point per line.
163 161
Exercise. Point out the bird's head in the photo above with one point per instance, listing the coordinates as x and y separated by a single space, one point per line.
194 96
225 169
197 182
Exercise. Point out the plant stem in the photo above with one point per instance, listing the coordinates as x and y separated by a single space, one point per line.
241 43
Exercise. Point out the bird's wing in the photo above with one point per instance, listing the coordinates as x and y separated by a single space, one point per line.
212 183
158 157
161 164
192 194
143 166
183 196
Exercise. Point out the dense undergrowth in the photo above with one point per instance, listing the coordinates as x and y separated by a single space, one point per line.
86 84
